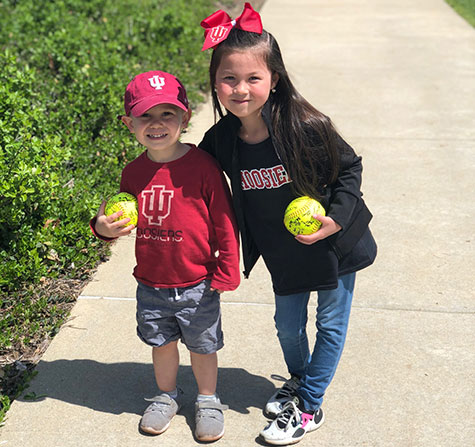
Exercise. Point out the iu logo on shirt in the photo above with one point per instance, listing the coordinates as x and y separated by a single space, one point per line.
156 204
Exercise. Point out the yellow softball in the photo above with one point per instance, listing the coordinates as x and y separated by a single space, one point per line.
298 217
126 203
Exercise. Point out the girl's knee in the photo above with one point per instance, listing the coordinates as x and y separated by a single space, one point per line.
291 332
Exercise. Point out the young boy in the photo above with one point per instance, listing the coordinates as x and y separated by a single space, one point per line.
185 218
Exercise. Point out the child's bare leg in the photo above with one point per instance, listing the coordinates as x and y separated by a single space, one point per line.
205 369
166 360
158 415
208 408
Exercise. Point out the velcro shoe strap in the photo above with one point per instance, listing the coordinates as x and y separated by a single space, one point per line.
212 405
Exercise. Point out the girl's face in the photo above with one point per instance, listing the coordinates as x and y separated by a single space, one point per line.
243 83
158 129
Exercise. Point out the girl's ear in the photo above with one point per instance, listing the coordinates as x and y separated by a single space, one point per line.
275 79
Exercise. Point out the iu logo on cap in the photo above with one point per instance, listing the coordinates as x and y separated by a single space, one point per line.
156 82
218 33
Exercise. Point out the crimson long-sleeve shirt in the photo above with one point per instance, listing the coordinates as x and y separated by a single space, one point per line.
186 229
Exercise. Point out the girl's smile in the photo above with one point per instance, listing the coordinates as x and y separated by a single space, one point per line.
243 83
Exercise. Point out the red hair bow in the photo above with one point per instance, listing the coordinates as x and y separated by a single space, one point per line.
218 25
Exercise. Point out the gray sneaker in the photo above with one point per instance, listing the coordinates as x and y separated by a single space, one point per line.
158 415
209 420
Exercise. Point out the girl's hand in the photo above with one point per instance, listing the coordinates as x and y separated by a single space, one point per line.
329 227
106 226
216 290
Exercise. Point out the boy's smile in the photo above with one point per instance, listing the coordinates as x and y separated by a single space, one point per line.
159 129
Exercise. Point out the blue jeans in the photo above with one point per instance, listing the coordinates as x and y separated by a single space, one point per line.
315 370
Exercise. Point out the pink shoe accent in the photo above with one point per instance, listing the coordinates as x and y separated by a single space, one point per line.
306 418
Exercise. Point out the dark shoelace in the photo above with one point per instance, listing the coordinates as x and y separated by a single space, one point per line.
289 416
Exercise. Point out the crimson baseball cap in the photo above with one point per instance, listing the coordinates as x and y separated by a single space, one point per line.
149 89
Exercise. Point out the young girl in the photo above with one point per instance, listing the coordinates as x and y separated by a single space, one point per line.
274 146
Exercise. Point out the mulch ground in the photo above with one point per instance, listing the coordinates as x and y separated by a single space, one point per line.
19 360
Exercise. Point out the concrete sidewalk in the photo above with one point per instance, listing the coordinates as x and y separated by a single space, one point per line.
398 79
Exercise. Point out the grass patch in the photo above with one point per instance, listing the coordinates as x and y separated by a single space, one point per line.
466 8
30 319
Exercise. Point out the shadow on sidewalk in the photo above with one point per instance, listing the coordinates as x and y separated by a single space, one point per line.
121 387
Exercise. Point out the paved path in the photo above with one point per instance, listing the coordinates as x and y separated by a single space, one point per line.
397 77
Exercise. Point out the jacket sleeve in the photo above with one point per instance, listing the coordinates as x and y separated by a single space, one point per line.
207 143
346 190
227 275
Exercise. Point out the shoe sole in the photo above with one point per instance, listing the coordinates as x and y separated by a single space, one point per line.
152 431
281 441
210 438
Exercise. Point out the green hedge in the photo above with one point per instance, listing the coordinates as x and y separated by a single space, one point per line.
64 67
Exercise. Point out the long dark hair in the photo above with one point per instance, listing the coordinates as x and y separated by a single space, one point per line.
305 138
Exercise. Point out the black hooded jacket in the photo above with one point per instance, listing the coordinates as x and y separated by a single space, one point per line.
352 248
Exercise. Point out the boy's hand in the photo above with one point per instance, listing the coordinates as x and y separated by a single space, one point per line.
106 226
216 290
329 227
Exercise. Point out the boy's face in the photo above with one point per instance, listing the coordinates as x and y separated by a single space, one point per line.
159 129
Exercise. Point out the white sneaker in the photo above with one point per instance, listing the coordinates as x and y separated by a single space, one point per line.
277 401
291 425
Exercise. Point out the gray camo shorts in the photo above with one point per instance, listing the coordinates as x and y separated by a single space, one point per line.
190 314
